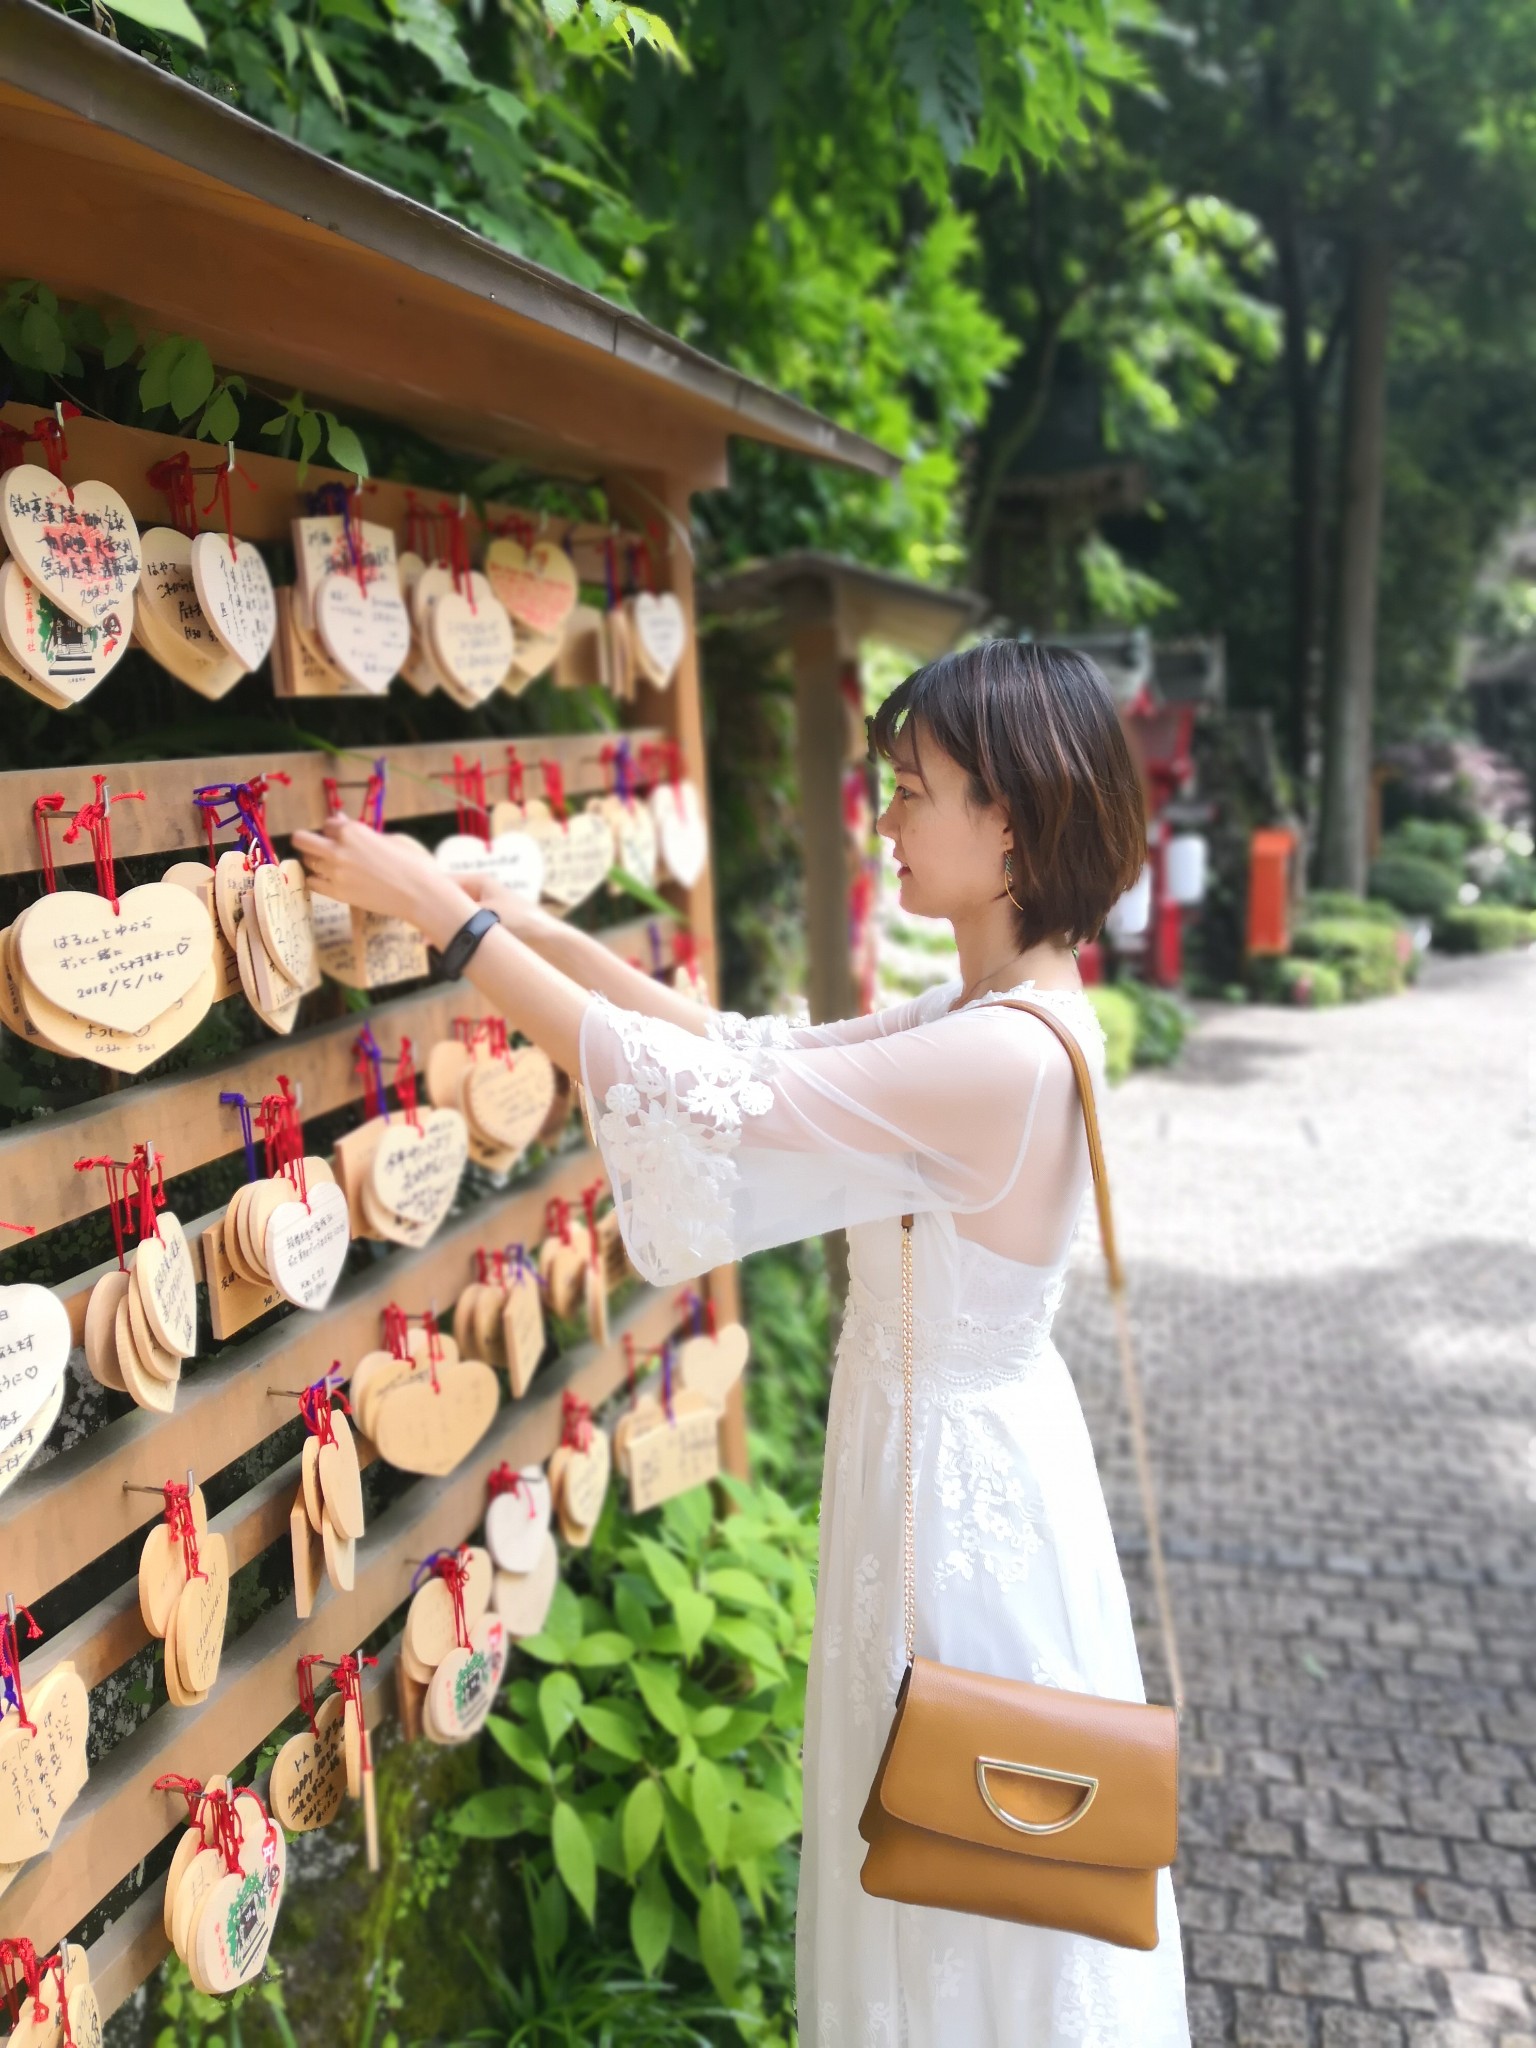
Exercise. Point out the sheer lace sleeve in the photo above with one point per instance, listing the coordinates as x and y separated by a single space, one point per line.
716 1149
730 1027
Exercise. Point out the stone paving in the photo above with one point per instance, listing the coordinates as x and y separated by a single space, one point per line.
1329 1231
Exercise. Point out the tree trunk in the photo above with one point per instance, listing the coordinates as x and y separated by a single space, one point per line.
1302 398
1352 677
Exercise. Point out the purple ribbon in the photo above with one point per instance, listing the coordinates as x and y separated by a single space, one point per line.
247 1136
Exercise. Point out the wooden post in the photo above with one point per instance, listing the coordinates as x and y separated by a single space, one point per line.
821 742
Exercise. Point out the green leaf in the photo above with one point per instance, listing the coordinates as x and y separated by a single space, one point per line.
695 1612
659 1689
155 368
42 340
221 420
741 1589
288 36
669 1574
632 1615
759 1824
559 1698
711 1807
169 17
564 1620
605 1647
574 1858
86 328
518 1743
650 1920
122 339
499 1813
720 1939
750 1640
685 1845
320 64
309 441
642 1823
550 1917
609 1730
191 380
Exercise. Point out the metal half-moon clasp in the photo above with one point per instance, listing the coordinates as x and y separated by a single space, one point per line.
1087 1785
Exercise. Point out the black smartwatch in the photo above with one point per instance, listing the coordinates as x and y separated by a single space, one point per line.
456 955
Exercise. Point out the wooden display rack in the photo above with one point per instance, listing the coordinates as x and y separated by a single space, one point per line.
150 197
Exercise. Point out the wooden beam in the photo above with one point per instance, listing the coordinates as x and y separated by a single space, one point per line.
119 1818
418 781
182 1115
59 1516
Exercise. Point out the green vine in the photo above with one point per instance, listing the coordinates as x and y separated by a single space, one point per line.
46 342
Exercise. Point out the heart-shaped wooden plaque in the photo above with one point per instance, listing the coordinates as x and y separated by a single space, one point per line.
680 830
67 659
512 858
80 545
660 635
236 595
34 1350
366 632
538 585
577 855
306 1246
416 1170
121 970
429 1430
508 1094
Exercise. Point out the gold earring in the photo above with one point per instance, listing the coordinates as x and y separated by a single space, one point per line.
1008 880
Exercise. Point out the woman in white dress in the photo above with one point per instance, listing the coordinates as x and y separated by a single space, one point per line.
1018 816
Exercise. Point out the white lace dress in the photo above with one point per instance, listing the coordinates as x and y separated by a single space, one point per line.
765 1133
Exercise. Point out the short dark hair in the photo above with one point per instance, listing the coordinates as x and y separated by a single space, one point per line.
1037 731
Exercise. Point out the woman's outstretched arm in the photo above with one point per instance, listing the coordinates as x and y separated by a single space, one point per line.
541 993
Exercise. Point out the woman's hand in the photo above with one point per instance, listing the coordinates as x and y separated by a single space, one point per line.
385 872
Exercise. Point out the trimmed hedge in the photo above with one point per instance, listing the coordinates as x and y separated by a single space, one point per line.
1340 903
1422 888
1441 840
1118 1014
1372 959
1484 928
1312 984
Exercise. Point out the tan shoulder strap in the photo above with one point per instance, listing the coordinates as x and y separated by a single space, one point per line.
1090 1119
1130 1377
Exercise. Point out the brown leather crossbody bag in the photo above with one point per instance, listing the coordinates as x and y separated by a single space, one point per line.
1018 1801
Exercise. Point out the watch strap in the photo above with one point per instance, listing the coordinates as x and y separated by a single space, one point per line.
451 962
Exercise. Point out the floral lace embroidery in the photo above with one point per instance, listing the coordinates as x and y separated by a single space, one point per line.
730 1027
954 1358
868 1684
669 1133
1088 2008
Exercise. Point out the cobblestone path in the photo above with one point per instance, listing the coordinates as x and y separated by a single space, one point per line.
1328 1222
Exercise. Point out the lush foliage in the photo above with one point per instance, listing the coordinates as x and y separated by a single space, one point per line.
651 1746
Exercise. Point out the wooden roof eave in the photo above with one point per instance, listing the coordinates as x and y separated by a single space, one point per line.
131 187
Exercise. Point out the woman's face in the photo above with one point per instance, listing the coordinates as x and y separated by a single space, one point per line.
949 852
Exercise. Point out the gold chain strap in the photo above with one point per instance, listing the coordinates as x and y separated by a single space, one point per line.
909 1530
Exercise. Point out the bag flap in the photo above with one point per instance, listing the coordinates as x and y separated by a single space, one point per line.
1097 1777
